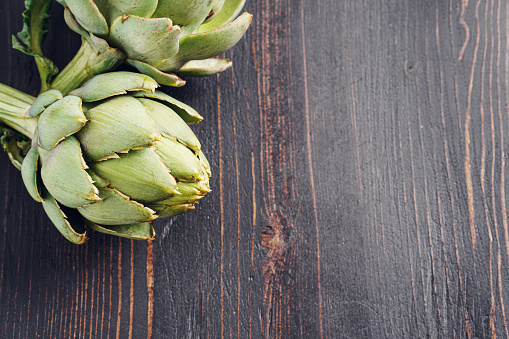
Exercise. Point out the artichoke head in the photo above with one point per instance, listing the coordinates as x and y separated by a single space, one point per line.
114 155
160 37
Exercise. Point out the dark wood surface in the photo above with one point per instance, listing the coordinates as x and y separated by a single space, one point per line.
360 188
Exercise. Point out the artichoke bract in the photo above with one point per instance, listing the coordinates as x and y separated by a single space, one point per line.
160 37
118 152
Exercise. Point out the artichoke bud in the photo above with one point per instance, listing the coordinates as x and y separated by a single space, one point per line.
160 37
116 159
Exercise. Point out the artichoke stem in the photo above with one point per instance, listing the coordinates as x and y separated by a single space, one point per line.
44 72
87 63
14 106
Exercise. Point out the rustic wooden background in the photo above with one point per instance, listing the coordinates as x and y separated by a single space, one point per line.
360 189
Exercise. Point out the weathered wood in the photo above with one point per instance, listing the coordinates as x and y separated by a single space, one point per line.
359 154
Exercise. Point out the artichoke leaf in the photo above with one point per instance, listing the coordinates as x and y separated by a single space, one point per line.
113 9
121 123
206 45
61 119
170 124
190 192
164 211
64 176
201 186
97 180
145 39
107 59
42 101
73 24
182 161
201 68
184 12
103 48
204 162
139 174
186 112
115 208
187 189
217 5
106 85
178 200
138 231
67 223
30 175
168 79
87 14
228 12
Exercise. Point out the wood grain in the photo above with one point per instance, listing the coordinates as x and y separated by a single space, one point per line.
359 188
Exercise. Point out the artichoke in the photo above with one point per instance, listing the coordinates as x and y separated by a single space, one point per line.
160 37
113 160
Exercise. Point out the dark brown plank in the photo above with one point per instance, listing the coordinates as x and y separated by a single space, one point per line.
359 153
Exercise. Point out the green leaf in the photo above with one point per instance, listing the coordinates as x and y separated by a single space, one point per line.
59 120
98 181
69 223
106 85
170 123
186 112
168 79
29 40
184 12
149 40
116 208
73 24
182 162
208 44
202 68
117 125
217 5
88 16
29 174
63 174
139 174
138 231
113 9
229 11
190 192
164 211
204 162
42 101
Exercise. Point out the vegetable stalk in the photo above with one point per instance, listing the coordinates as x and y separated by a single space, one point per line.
14 106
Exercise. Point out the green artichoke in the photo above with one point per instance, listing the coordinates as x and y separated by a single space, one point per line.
160 37
118 158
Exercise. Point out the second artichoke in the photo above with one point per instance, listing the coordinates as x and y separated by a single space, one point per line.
160 37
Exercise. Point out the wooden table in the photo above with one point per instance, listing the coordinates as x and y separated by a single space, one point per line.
360 188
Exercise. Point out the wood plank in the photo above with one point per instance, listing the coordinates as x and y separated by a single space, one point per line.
359 155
